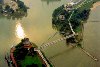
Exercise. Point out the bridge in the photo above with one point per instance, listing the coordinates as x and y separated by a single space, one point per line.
72 35
56 41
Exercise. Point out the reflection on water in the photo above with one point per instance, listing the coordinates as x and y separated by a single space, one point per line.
19 30
14 16
63 52
48 1
38 27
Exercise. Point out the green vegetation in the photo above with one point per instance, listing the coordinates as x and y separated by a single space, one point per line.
77 17
28 58
80 13
10 13
25 58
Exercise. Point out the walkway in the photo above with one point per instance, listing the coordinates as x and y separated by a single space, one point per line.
56 41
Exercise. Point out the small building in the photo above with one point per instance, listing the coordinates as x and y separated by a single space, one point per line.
69 6
62 17
11 3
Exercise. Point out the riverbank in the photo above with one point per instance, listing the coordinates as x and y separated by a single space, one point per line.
95 5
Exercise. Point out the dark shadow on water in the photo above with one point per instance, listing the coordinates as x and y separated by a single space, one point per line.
63 52
50 1
13 16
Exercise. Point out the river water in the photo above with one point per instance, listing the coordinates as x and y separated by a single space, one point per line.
37 26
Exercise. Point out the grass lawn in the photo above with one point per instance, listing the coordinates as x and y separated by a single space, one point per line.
29 60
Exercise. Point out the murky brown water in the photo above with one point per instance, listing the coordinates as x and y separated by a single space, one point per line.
38 27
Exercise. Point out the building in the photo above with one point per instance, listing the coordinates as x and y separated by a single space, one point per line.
12 3
69 6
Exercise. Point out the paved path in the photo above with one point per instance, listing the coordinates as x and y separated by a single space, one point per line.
56 41
41 55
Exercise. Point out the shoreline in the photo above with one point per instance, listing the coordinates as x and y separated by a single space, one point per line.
95 5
